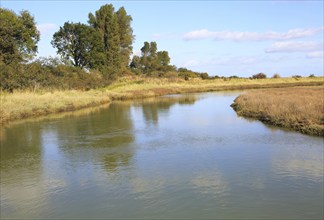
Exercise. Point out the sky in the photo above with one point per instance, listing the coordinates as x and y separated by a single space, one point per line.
223 38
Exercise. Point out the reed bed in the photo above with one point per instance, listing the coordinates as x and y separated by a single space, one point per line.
300 108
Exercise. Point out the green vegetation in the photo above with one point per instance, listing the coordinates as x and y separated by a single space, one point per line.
48 73
259 76
18 37
79 45
24 104
300 109
152 62
95 67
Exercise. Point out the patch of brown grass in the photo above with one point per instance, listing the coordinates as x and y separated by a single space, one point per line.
26 104
299 108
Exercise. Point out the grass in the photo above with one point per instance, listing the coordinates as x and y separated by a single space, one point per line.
26 104
300 108
137 87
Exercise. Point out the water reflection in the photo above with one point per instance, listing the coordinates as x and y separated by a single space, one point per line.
299 162
180 156
21 147
210 183
152 108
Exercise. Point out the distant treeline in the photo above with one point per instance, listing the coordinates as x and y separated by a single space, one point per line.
90 55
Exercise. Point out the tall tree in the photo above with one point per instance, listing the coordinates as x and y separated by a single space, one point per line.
126 35
151 59
18 36
105 22
79 44
144 61
163 60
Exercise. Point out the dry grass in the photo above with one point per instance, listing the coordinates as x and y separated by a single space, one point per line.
137 87
29 104
26 104
299 108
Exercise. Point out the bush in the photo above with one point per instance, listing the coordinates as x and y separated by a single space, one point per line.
36 75
204 75
276 76
259 76
312 76
296 76
187 75
171 75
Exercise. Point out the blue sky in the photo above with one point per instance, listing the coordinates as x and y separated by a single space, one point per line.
219 37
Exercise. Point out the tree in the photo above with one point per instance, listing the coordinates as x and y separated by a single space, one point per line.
106 24
259 76
126 35
79 44
136 62
145 49
18 36
144 61
135 65
153 60
163 60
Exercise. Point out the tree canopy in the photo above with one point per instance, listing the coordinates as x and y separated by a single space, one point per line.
105 43
79 44
151 59
18 36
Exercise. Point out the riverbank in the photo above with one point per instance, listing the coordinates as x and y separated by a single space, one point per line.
26 104
300 108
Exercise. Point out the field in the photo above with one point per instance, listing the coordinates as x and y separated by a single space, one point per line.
300 108
26 104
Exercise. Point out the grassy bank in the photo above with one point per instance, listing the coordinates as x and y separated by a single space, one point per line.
25 104
300 108
136 87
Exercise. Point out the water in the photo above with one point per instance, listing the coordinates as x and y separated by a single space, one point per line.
180 156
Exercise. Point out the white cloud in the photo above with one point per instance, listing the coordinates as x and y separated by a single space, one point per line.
156 36
250 36
294 46
315 54
45 28
191 63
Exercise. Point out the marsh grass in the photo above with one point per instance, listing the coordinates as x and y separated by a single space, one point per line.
30 104
25 104
139 87
299 108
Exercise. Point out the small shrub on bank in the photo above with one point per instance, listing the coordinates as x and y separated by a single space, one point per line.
259 76
276 76
204 76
